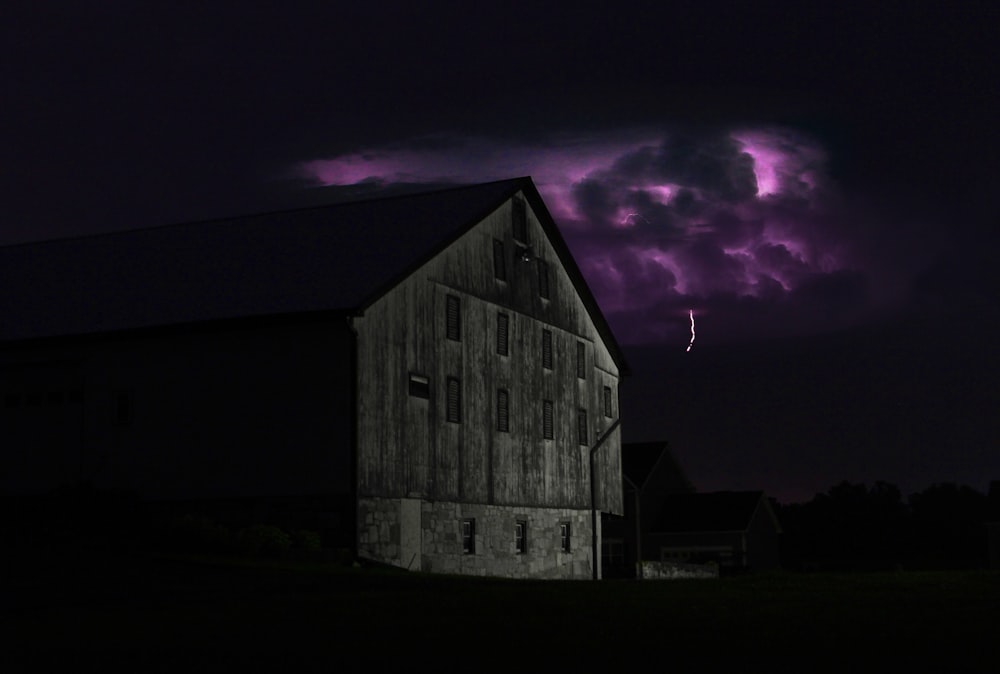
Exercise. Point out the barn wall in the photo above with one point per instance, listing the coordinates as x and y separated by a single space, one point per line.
209 412
406 446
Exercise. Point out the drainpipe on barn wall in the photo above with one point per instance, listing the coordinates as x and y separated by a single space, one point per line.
593 496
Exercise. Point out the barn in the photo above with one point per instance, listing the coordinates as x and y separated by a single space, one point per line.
428 374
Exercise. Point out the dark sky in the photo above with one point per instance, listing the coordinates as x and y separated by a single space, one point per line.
817 184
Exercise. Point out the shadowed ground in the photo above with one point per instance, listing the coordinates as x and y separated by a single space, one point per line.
192 615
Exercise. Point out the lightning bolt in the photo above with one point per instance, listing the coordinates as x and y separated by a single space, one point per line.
691 343
631 218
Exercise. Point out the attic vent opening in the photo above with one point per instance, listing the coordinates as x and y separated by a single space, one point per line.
503 329
543 279
503 411
519 216
453 319
499 261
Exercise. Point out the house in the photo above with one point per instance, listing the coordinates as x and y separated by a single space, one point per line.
649 473
667 522
426 374
737 530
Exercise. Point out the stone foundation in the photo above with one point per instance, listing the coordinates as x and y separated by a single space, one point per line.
427 535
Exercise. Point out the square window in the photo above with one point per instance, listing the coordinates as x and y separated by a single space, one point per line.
454 406
503 411
469 536
521 536
499 261
503 331
453 319
547 349
581 426
420 386
564 540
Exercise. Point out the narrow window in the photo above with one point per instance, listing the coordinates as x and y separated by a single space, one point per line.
420 386
454 400
564 536
543 279
521 536
581 360
454 319
469 536
519 215
608 412
547 419
499 261
503 329
503 410
547 349
581 426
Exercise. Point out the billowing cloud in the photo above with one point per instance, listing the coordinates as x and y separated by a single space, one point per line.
744 226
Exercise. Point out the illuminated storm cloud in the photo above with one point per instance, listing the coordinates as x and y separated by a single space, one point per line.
742 226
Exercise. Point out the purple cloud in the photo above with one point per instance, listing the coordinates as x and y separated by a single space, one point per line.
742 226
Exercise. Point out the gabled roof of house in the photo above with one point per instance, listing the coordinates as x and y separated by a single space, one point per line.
713 511
340 257
640 459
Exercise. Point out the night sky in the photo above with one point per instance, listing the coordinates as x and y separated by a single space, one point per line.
817 184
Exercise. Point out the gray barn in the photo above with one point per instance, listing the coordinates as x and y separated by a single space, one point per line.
429 372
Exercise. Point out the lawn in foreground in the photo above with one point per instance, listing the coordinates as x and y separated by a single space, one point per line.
144 614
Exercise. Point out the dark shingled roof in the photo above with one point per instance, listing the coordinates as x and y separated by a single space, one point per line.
714 511
331 258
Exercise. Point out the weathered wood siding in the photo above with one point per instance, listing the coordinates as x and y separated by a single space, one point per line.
407 448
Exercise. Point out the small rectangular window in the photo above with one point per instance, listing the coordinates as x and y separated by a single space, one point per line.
581 426
608 412
420 386
519 216
521 536
581 360
547 419
499 261
547 349
503 330
454 408
454 319
543 279
564 536
503 410
469 536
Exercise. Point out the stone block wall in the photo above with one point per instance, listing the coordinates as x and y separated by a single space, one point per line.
390 531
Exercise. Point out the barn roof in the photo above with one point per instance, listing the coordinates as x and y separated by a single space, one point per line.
712 511
339 257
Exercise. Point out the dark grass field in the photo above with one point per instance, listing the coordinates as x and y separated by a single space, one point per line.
143 614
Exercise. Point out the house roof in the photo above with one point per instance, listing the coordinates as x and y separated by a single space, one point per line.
713 511
340 257
640 459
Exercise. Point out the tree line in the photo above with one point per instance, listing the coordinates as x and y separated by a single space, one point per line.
853 526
